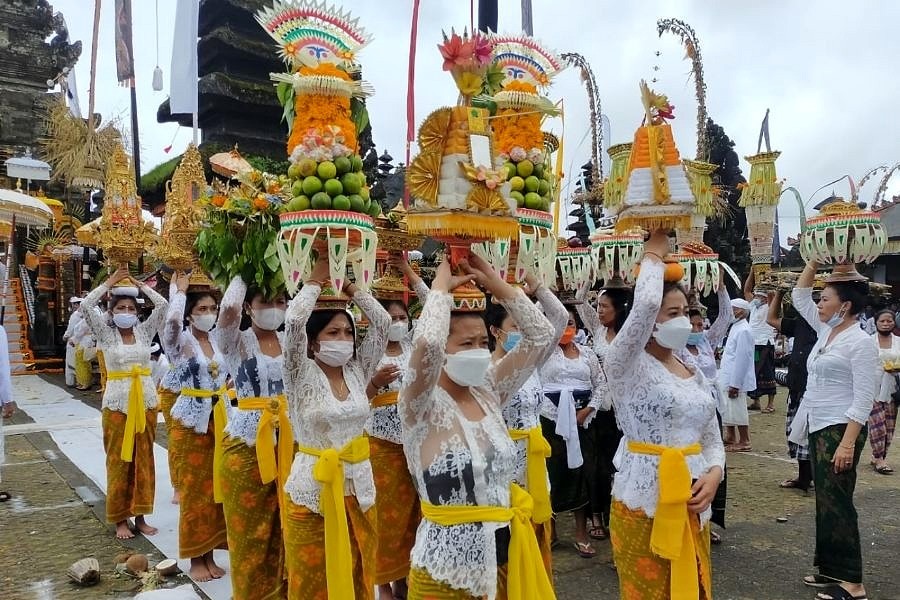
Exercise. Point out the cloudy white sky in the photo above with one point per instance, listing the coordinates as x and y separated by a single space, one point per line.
827 71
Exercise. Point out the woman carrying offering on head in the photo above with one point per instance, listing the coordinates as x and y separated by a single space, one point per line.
523 412
129 399
883 419
840 390
672 454
258 446
476 521
198 419
329 521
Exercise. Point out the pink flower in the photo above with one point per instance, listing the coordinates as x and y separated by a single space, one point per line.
482 47
455 51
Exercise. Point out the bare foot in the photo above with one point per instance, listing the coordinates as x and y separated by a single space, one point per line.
176 497
385 593
123 531
215 570
141 524
199 570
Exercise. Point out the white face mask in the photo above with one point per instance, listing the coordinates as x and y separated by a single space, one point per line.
335 353
469 367
397 331
268 319
673 334
125 320
204 322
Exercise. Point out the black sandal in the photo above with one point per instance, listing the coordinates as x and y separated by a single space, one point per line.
838 593
793 484
4 496
819 581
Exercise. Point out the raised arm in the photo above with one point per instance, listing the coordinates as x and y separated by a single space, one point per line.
372 347
174 324
228 325
749 284
94 318
773 317
621 357
427 357
295 343
555 312
719 328
154 322
802 297
587 313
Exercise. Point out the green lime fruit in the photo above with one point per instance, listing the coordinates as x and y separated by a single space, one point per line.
321 201
539 170
311 186
544 187
356 163
518 197
333 187
517 183
294 171
342 164
298 203
307 167
533 201
510 170
297 188
375 210
351 182
364 192
340 202
357 204
532 183
525 168
326 170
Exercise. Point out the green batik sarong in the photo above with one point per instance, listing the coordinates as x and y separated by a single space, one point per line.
838 552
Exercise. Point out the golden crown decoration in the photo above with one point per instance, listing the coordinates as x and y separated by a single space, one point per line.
183 217
123 235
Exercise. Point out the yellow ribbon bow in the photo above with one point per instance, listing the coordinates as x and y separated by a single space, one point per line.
274 415
220 419
671 536
329 471
385 399
527 578
536 469
136 421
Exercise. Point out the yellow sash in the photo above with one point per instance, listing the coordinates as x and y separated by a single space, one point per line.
385 399
274 415
671 536
528 578
136 422
329 471
536 468
220 419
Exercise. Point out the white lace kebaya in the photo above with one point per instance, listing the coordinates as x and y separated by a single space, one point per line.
318 419
456 461
255 374
119 356
653 405
190 367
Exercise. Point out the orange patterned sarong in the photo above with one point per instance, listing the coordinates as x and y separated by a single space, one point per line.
201 522
167 400
397 510
130 486
642 574
423 587
255 543
305 543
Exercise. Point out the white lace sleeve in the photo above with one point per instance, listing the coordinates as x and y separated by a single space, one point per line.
587 313
228 325
101 330
599 399
804 304
515 367
174 325
719 328
713 448
295 342
154 322
629 343
421 290
372 347
427 358
556 313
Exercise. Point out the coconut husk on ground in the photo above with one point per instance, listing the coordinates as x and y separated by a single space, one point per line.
85 572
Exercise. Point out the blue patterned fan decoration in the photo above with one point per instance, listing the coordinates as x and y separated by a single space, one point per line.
523 59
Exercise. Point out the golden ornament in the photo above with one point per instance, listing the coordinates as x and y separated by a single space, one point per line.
424 175
433 131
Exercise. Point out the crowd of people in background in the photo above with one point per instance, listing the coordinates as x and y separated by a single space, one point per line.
340 453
